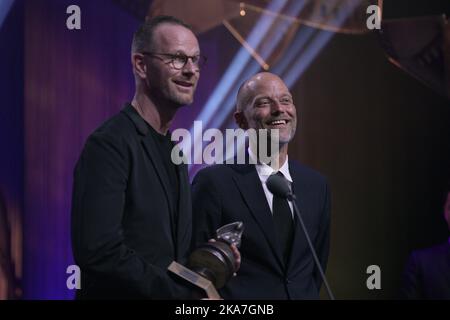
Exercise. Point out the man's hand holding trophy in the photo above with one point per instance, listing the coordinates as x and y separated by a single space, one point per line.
212 264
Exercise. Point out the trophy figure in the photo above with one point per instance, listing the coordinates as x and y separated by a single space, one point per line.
212 264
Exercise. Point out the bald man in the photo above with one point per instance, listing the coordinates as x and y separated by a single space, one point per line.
276 261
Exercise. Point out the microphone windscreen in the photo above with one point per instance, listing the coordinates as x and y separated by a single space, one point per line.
278 185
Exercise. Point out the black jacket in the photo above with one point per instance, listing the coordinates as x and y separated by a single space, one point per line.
126 229
227 193
427 274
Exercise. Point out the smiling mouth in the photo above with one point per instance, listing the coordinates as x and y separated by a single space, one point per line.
275 123
183 84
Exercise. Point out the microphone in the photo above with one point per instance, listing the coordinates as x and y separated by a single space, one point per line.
281 188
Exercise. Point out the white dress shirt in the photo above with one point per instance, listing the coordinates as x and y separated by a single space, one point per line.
264 171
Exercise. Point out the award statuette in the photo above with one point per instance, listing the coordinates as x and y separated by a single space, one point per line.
212 264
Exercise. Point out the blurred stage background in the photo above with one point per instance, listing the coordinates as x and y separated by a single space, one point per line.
373 108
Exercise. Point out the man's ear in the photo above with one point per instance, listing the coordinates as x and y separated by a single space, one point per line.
139 66
240 120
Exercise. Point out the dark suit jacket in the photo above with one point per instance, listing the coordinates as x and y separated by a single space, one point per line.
427 274
227 193
125 228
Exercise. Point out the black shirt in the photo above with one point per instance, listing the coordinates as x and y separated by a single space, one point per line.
165 146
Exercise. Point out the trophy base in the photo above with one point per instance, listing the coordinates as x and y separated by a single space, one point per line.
195 279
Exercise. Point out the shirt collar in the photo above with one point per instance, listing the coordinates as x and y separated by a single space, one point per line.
264 170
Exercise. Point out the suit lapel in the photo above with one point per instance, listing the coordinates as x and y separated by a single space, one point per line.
184 222
150 148
249 185
299 237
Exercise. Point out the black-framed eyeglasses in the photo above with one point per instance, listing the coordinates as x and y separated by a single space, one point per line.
179 60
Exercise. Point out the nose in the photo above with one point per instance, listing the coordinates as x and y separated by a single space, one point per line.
277 107
189 68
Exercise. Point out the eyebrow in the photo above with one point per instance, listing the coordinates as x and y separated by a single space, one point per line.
284 95
181 51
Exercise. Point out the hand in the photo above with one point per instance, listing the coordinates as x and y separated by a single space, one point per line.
218 298
237 257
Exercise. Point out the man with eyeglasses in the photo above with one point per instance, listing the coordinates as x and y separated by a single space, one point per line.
131 208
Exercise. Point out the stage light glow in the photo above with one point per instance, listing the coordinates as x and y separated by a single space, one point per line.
5 6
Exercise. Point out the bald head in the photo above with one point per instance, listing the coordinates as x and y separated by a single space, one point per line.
264 102
247 89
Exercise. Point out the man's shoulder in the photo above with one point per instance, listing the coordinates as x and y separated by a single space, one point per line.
429 256
215 170
429 252
118 127
297 169
221 174
306 173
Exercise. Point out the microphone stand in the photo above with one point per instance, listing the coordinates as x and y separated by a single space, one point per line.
291 197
